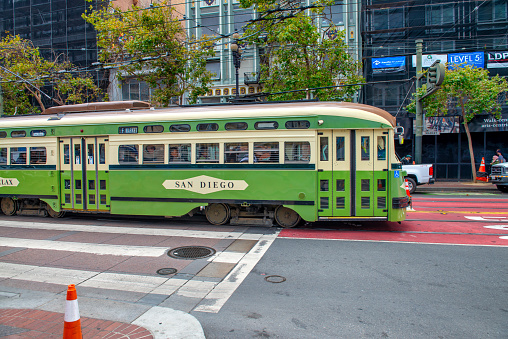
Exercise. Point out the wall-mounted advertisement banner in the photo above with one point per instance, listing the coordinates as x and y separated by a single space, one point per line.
429 59
440 125
488 123
389 65
476 59
497 59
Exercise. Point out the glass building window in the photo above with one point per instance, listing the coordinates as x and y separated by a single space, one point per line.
492 10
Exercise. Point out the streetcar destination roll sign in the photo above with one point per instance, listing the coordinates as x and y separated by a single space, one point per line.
204 184
8 182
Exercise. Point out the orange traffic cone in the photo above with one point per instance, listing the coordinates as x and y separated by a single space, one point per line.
482 175
72 321
410 207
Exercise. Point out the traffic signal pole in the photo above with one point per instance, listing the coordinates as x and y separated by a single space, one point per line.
419 106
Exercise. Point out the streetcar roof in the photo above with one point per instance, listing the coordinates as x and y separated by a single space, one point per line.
197 113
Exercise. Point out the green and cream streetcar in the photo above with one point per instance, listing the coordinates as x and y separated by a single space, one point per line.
240 164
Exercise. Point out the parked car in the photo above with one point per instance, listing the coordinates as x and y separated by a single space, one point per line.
499 176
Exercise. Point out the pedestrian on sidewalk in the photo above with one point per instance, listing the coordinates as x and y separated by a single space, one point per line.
500 156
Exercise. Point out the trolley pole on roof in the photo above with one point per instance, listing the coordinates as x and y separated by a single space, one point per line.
419 106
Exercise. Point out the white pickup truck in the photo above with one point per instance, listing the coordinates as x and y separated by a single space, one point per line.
418 175
499 176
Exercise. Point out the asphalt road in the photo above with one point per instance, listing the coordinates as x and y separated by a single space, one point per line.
442 273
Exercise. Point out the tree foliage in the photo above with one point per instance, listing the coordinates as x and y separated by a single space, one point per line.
298 54
25 74
151 45
467 90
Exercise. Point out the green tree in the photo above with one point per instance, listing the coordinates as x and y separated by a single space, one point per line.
151 45
469 90
300 55
26 74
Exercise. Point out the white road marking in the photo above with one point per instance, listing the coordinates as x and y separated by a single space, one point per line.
213 294
124 282
496 219
498 227
165 323
128 230
221 293
100 249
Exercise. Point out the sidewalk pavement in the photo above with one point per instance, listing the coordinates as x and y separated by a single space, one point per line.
156 323
458 186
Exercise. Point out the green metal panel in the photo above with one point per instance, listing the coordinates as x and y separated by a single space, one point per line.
364 194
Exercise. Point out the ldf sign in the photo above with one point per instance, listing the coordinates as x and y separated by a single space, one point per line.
475 59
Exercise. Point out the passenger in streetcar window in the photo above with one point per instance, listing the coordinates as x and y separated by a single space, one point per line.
174 155
203 154
244 155
304 153
149 154
21 159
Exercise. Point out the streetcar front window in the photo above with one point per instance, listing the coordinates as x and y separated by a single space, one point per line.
207 153
381 148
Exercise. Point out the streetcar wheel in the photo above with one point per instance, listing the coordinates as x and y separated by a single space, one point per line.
217 214
411 184
286 217
54 214
9 206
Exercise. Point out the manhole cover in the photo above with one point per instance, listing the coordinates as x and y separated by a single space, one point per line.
191 252
276 279
166 271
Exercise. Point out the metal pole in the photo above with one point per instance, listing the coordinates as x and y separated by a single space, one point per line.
237 66
1 101
419 107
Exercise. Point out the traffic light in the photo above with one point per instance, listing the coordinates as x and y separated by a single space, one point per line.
435 75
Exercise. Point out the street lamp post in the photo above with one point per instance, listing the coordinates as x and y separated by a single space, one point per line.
235 50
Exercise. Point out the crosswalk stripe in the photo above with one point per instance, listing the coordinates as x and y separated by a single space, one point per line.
129 230
100 249
221 293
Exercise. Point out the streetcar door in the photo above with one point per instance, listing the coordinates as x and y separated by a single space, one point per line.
84 173
381 168
364 173
341 183
334 164
325 173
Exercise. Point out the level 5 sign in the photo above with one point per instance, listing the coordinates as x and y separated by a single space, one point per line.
204 184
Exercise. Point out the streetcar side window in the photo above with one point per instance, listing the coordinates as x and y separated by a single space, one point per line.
153 154
102 154
341 152
37 155
381 148
237 152
365 148
207 152
180 153
266 152
3 156
18 155
66 154
323 149
297 152
128 154
77 154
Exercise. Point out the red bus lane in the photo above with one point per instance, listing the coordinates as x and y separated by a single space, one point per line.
480 222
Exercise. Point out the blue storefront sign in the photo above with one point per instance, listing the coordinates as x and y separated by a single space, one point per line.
475 59
388 65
